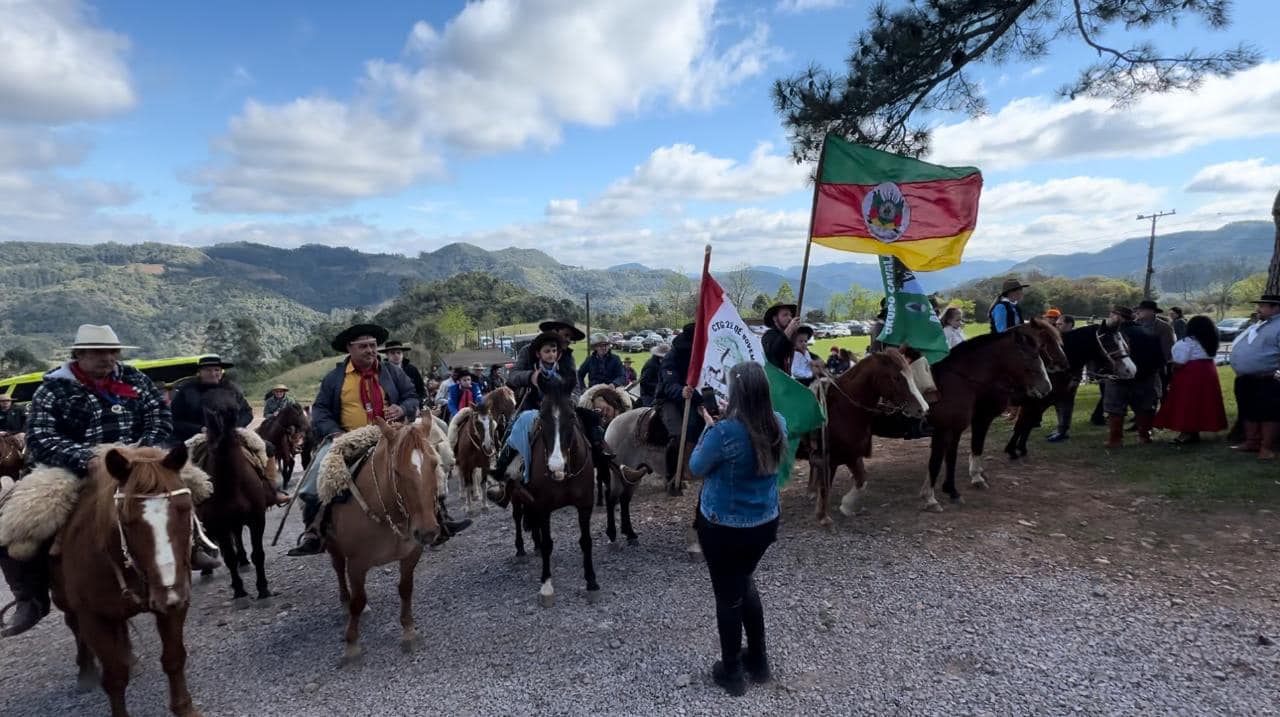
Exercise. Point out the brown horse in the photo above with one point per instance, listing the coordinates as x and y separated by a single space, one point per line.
392 519
1009 361
285 432
561 473
880 384
473 437
126 550
240 496
12 454
502 407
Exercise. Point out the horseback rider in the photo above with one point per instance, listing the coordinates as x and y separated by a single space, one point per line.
779 339
465 392
276 400
674 392
523 378
651 375
13 419
397 355
602 366
91 400
1004 314
358 390
188 402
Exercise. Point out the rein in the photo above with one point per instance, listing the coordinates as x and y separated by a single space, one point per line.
581 468
475 440
1119 354
385 517
129 562
883 406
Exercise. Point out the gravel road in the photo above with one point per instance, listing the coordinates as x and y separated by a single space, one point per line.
884 615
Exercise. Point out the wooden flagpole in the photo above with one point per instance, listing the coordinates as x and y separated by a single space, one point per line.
676 480
808 242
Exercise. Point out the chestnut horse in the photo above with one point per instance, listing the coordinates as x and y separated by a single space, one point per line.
392 518
285 432
880 384
11 454
502 407
126 550
473 438
561 473
1009 361
240 496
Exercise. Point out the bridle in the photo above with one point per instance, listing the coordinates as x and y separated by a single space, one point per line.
474 435
385 517
1115 356
883 407
573 442
129 562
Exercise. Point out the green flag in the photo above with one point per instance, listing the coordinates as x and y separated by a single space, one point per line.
799 407
909 316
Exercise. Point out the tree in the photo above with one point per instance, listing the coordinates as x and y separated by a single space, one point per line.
1273 271
760 305
246 344
1224 278
739 286
217 339
913 61
815 316
455 325
863 303
20 360
1182 280
678 298
785 295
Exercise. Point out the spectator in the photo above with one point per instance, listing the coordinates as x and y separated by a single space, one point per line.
1178 323
833 360
1066 404
953 326
846 361
1004 314
464 393
1255 357
1194 402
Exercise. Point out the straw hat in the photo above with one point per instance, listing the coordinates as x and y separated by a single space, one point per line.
280 387
660 350
89 336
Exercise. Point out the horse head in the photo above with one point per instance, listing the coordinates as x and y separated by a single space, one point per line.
482 428
404 470
221 411
1049 343
1026 363
146 504
881 383
295 423
1115 351
557 436
897 383
921 373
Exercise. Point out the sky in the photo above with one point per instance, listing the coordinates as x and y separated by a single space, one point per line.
602 132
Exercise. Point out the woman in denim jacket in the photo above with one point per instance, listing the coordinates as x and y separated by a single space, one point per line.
738 518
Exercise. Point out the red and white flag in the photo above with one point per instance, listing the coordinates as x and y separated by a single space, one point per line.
720 339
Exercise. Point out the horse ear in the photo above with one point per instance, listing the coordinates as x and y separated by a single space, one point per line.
117 465
176 458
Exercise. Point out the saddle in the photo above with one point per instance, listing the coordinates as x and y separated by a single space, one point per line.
650 430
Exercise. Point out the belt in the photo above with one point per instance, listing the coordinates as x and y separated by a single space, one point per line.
1265 375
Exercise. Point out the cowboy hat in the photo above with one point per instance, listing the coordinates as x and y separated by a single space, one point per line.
395 346
542 339
1269 299
1125 312
89 336
212 360
575 334
280 387
1012 284
660 350
1150 305
600 340
772 311
626 360
341 341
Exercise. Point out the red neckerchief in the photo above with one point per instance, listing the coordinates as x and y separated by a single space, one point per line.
370 392
108 388
466 397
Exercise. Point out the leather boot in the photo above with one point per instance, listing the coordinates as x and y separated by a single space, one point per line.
756 663
310 542
29 582
1115 435
448 526
1252 438
1268 432
204 554
1145 419
499 493
730 677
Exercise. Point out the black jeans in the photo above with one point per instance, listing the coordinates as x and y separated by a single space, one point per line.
732 555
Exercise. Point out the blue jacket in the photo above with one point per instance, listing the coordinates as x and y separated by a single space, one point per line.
596 370
1004 315
455 396
733 494
326 412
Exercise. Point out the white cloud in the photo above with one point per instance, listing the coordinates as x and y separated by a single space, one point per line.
1035 129
1085 195
560 62
56 67
797 6
23 148
1246 175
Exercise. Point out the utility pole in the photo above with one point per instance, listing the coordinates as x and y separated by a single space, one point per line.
588 318
1151 249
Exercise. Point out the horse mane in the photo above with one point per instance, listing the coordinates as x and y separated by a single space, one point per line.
146 476
455 423
226 460
975 344
274 427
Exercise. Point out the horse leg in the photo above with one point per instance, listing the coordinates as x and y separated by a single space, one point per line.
258 526
517 515
851 503
227 545
982 419
408 633
242 557
103 637
546 593
584 542
937 449
820 484
87 676
627 530
611 528
352 654
953 449
340 567
173 658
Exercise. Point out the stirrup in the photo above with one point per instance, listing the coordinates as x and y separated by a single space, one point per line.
15 603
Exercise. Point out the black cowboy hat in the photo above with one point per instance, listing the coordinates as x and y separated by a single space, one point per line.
541 340
1125 312
395 346
351 334
1012 284
211 360
575 333
772 311
1149 304
1269 299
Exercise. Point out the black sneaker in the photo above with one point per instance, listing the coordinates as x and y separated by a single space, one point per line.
757 669
733 681
309 543
1056 437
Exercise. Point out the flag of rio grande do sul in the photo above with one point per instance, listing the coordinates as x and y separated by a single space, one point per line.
720 340
874 202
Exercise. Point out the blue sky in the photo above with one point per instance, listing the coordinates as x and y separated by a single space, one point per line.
602 132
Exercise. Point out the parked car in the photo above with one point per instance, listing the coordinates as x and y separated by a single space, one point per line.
857 328
1229 329
633 345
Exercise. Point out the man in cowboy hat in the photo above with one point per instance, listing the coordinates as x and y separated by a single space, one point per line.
651 375
602 366
629 372
1142 392
13 419
674 392
1255 357
477 377
88 401
522 376
1004 314
188 401
277 398
357 391
397 354
778 339
1146 317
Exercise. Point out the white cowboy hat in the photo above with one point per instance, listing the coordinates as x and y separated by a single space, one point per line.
89 336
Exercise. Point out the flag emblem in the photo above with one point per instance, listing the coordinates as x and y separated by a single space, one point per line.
886 212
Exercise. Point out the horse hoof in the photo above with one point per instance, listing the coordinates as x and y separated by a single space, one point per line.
932 507
206 574
546 599
409 645
264 601
633 542
980 483
957 500
614 545
593 596
352 657
694 554
87 682
241 603
825 521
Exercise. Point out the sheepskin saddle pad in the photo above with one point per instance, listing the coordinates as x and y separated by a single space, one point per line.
342 462
254 447
36 507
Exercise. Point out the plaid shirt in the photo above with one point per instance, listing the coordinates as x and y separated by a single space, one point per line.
68 420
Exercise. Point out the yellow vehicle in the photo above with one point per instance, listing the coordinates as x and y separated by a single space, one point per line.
165 373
